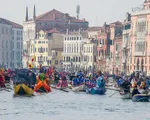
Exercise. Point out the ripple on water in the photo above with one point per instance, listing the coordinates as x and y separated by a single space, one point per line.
59 105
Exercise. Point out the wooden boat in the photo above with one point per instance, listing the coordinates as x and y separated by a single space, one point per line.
22 89
113 88
65 89
126 95
141 98
79 88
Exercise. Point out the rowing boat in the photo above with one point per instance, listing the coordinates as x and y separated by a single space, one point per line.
141 98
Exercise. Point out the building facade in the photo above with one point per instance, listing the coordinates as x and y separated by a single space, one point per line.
103 47
89 55
47 21
93 32
117 55
11 44
72 50
39 50
57 58
126 45
140 52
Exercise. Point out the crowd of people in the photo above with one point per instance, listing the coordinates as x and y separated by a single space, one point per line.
93 80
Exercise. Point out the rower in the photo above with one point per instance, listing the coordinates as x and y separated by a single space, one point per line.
135 91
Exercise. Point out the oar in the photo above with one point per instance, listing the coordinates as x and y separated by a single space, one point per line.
54 87
113 94
5 89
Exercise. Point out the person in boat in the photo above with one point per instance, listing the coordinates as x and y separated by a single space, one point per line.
62 82
126 86
56 77
143 84
119 81
100 82
2 78
147 83
135 91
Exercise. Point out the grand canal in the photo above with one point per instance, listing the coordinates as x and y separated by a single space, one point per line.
60 105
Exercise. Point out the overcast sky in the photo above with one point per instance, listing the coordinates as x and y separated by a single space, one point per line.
95 11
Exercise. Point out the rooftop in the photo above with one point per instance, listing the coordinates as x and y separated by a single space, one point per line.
7 22
54 15
96 28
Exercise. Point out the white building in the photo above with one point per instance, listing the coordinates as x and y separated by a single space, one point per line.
39 49
93 32
47 21
72 51
89 54
10 41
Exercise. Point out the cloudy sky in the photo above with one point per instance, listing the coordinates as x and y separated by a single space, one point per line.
95 11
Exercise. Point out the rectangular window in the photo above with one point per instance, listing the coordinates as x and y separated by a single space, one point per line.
2 30
117 47
56 62
18 45
18 55
6 44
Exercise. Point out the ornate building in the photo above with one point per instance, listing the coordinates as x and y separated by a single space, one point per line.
47 21
140 52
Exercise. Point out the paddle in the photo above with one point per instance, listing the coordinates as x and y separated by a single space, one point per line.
59 89
113 94
5 89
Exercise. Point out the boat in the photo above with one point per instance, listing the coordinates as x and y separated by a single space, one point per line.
141 98
79 88
126 95
95 90
42 86
113 88
22 89
65 89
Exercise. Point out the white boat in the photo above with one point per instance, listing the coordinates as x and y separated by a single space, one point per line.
126 95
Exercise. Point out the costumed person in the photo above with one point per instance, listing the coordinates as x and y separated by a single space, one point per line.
143 84
62 82
42 85
135 91
126 86
78 80
100 87
2 78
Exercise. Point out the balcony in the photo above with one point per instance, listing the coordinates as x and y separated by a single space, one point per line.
124 45
100 45
123 61
139 54
100 57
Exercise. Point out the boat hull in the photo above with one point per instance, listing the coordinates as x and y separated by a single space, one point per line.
79 88
126 95
99 91
22 89
141 98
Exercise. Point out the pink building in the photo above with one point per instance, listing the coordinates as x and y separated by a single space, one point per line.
103 47
140 36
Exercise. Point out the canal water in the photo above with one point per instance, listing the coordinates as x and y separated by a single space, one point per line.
60 105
